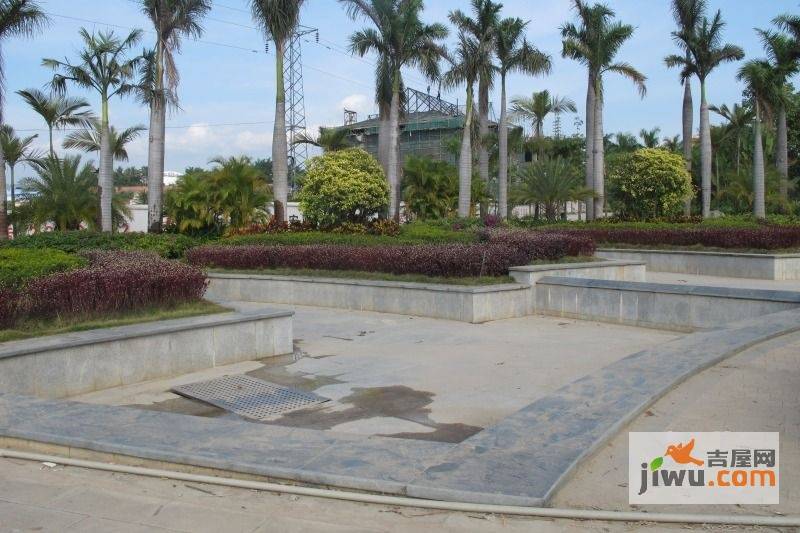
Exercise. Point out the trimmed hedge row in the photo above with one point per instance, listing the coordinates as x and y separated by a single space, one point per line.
761 238
113 282
490 258
17 266
171 246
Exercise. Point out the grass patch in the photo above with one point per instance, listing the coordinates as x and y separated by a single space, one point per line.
38 328
380 276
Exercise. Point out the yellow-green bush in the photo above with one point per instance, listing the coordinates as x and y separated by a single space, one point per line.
19 265
343 186
647 184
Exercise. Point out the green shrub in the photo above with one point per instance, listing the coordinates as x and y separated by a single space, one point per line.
18 265
648 183
430 188
343 186
167 245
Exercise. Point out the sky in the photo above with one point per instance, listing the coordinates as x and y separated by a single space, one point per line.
227 85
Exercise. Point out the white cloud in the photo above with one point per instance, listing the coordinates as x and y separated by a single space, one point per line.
360 103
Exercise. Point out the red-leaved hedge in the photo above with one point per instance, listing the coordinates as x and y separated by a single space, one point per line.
761 238
113 282
490 258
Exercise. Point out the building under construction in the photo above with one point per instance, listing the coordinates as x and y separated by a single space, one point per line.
429 127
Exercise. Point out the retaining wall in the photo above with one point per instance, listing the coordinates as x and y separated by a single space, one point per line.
659 305
77 363
735 265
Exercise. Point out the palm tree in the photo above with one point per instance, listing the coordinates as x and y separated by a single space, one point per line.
687 15
738 118
90 140
430 187
58 111
551 182
595 43
705 53
103 67
466 68
278 20
650 138
762 83
15 150
537 108
672 144
17 18
65 193
401 39
514 53
172 20
782 52
329 139
482 28
620 143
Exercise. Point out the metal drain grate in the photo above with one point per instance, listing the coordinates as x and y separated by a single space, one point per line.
249 397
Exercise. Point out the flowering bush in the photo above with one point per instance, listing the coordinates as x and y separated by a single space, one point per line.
490 258
113 282
343 186
542 245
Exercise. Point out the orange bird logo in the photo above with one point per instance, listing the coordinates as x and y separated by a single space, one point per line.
682 453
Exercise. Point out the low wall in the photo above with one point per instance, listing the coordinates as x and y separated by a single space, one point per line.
77 363
660 305
453 302
734 265
617 270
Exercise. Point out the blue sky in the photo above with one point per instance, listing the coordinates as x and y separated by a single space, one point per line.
227 78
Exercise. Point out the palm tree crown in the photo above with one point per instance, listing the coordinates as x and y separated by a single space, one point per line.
539 106
18 18
88 139
58 111
705 49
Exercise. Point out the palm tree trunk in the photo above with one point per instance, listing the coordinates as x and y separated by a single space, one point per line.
50 133
705 151
3 204
383 137
483 132
465 162
782 158
155 149
598 165
105 178
393 148
280 150
688 123
13 199
590 98
758 168
738 152
502 159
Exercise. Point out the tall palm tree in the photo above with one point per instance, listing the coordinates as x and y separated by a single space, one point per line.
762 83
706 52
738 118
538 107
104 67
58 111
18 18
16 150
90 140
466 65
514 53
782 53
650 138
401 40
278 20
482 28
687 14
172 20
595 42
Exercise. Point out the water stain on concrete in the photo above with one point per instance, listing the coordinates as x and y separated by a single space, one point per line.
396 401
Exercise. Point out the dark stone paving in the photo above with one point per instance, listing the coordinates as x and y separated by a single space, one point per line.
519 461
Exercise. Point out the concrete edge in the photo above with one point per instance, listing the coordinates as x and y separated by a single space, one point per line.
439 287
569 266
699 252
683 290
132 331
